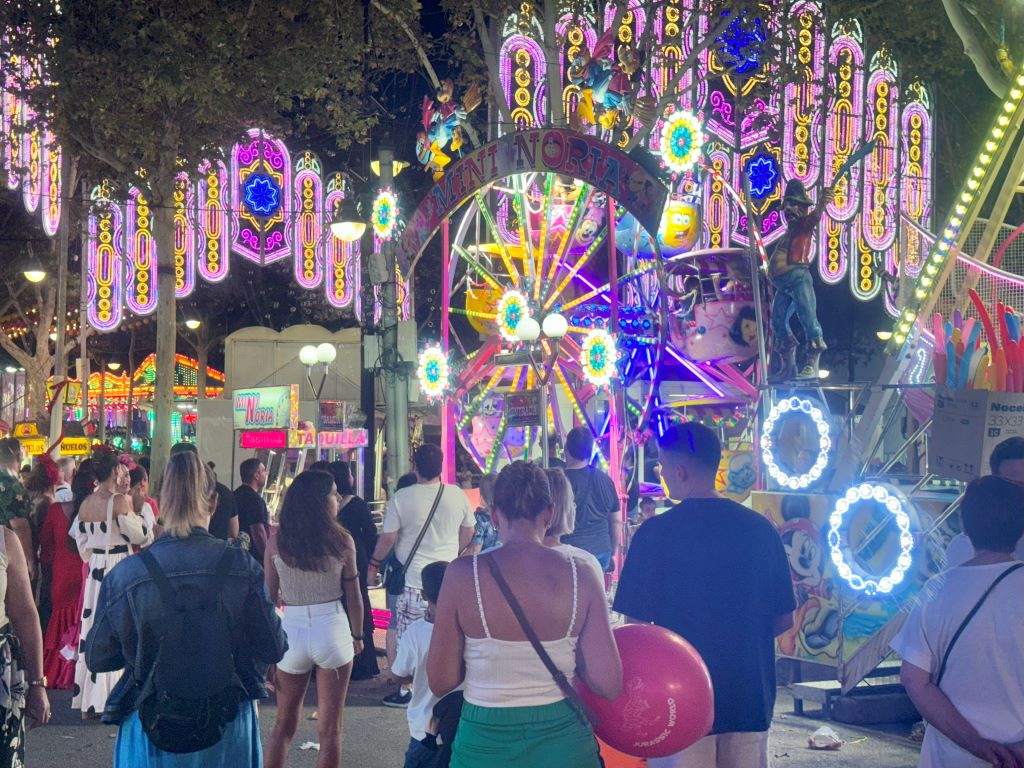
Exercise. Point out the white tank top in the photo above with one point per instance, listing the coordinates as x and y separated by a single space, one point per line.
509 673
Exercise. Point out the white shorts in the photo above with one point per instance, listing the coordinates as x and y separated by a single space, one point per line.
744 749
318 636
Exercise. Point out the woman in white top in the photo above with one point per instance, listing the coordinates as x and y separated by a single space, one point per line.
515 714
105 530
310 566
563 521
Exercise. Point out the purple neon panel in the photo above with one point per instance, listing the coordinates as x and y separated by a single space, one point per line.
52 184
262 239
843 120
309 228
184 238
801 134
105 291
140 248
881 124
212 201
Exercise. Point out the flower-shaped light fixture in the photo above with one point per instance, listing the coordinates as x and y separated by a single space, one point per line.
262 195
433 372
598 356
385 213
682 139
511 310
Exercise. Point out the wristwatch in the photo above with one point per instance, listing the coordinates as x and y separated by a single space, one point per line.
41 682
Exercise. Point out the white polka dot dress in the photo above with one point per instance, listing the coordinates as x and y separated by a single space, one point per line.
91 689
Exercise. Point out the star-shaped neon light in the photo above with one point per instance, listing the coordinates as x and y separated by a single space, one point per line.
763 173
262 195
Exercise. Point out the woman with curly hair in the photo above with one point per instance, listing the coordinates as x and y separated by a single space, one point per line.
310 565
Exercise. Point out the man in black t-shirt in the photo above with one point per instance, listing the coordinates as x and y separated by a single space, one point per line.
598 527
253 516
715 573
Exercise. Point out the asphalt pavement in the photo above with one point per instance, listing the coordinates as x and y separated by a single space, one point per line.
376 737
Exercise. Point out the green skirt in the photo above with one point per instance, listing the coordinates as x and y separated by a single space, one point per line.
548 736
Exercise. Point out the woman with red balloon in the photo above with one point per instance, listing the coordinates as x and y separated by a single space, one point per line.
518 710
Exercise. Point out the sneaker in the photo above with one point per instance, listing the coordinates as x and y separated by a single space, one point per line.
398 700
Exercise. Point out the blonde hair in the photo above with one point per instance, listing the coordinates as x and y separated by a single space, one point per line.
487 489
185 494
563 521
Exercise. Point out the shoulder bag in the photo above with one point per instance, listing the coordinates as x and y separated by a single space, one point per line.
967 619
570 693
392 569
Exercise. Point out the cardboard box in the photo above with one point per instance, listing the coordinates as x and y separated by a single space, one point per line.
967 425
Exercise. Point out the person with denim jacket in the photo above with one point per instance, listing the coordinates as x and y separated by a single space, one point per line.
129 613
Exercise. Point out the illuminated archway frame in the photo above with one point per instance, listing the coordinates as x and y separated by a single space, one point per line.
769 450
509 163
846 565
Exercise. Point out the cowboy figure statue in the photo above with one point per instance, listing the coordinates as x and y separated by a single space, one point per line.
789 270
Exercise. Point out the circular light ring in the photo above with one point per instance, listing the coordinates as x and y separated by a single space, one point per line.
512 308
433 372
385 212
846 564
598 356
682 140
769 449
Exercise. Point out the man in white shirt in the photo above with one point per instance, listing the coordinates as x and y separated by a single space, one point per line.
1007 462
450 531
66 466
966 675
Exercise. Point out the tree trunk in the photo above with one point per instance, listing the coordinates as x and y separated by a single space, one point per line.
36 373
166 338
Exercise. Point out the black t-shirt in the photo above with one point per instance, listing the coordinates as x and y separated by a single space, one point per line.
717 574
252 510
223 513
596 500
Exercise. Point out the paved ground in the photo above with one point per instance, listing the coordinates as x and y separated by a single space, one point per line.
375 737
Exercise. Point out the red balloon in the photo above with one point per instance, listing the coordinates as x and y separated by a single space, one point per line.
667 702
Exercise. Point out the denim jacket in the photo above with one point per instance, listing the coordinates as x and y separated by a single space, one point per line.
129 615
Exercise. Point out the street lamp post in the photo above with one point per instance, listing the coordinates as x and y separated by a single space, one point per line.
323 354
528 331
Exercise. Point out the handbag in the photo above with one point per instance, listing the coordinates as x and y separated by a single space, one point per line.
392 569
967 619
570 693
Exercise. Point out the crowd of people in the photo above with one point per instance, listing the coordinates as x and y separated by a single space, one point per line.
172 619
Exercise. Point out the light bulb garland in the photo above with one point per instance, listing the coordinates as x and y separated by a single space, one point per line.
846 564
770 449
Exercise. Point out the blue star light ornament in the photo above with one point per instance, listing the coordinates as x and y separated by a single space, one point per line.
262 195
763 174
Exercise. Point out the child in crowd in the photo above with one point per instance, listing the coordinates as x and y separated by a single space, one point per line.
411 667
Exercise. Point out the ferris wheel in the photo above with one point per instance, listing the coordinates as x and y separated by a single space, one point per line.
539 246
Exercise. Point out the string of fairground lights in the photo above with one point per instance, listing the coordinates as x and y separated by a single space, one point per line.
981 175
847 567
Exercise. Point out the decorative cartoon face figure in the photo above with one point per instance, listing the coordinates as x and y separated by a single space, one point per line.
680 227
804 550
741 476
445 91
587 229
481 299
486 421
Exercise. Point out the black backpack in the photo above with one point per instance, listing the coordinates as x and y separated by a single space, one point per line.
192 692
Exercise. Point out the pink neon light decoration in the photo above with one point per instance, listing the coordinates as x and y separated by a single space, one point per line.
801 135
212 239
341 259
52 184
522 58
32 158
105 296
140 292
916 192
262 239
13 118
309 229
184 238
878 212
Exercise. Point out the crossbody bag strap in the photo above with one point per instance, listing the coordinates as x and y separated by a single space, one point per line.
967 619
423 530
563 682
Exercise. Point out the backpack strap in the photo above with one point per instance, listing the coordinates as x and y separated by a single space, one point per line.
167 592
223 565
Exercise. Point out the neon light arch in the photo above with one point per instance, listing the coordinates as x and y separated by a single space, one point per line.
184 239
140 293
262 239
309 226
52 184
106 269
212 238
